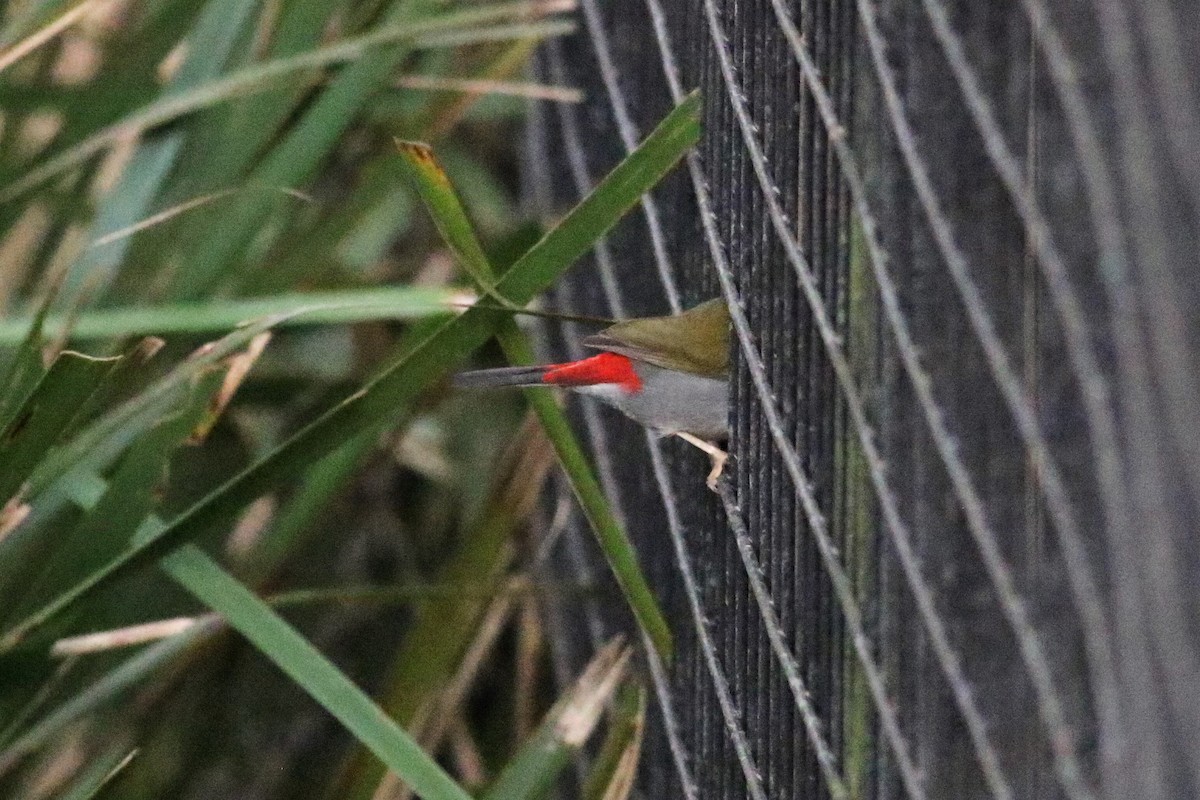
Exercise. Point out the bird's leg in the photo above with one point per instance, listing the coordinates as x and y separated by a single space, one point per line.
716 455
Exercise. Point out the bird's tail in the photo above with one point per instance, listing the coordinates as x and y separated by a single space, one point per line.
597 370
501 376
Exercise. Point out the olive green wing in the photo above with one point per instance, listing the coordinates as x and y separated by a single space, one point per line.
696 341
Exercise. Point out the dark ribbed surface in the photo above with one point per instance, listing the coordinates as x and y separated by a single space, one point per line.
942 455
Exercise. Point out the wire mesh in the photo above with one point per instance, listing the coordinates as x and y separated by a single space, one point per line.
952 557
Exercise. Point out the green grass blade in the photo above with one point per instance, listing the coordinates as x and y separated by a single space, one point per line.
38 423
99 773
443 627
436 190
217 30
317 308
296 517
615 766
304 664
245 129
395 389
106 438
24 368
292 161
468 26
439 196
104 692
111 520
533 771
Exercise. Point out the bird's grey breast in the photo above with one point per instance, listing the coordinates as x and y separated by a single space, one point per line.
671 401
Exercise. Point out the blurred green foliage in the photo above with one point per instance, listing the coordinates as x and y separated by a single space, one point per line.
221 174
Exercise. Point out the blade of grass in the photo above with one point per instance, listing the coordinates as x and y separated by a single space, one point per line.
486 86
105 691
394 390
56 481
466 26
446 114
38 38
245 129
110 522
99 773
295 518
614 769
533 771
218 28
304 664
24 21
443 627
316 308
24 369
106 438
293 161
37 424
117 384
24 549
439 196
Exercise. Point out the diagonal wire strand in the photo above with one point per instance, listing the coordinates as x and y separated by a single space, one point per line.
629 135
1174 653
791 670
909 774
602 455
662 689
1161 580
1083 583
1063 750
843 588
901 538
1096 394
1138 715
594 26
729 711
1170 81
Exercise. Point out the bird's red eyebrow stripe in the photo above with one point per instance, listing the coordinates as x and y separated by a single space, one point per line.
604 368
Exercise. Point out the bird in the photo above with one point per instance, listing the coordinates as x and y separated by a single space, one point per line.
670 374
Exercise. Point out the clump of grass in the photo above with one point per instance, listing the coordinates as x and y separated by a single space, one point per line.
221 304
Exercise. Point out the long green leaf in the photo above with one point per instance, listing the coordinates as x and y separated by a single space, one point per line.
443 627
38 423
24 368
217 30
243 129
106 438
317 308
292 161
130 495
395 389
104 692
466 26
314 673
56 480
613 770
438 193
99 773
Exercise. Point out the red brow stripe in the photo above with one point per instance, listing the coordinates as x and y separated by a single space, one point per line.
604 368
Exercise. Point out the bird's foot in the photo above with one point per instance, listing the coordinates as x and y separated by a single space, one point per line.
716 455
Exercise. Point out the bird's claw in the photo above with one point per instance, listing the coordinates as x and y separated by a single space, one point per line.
716 455
718 459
